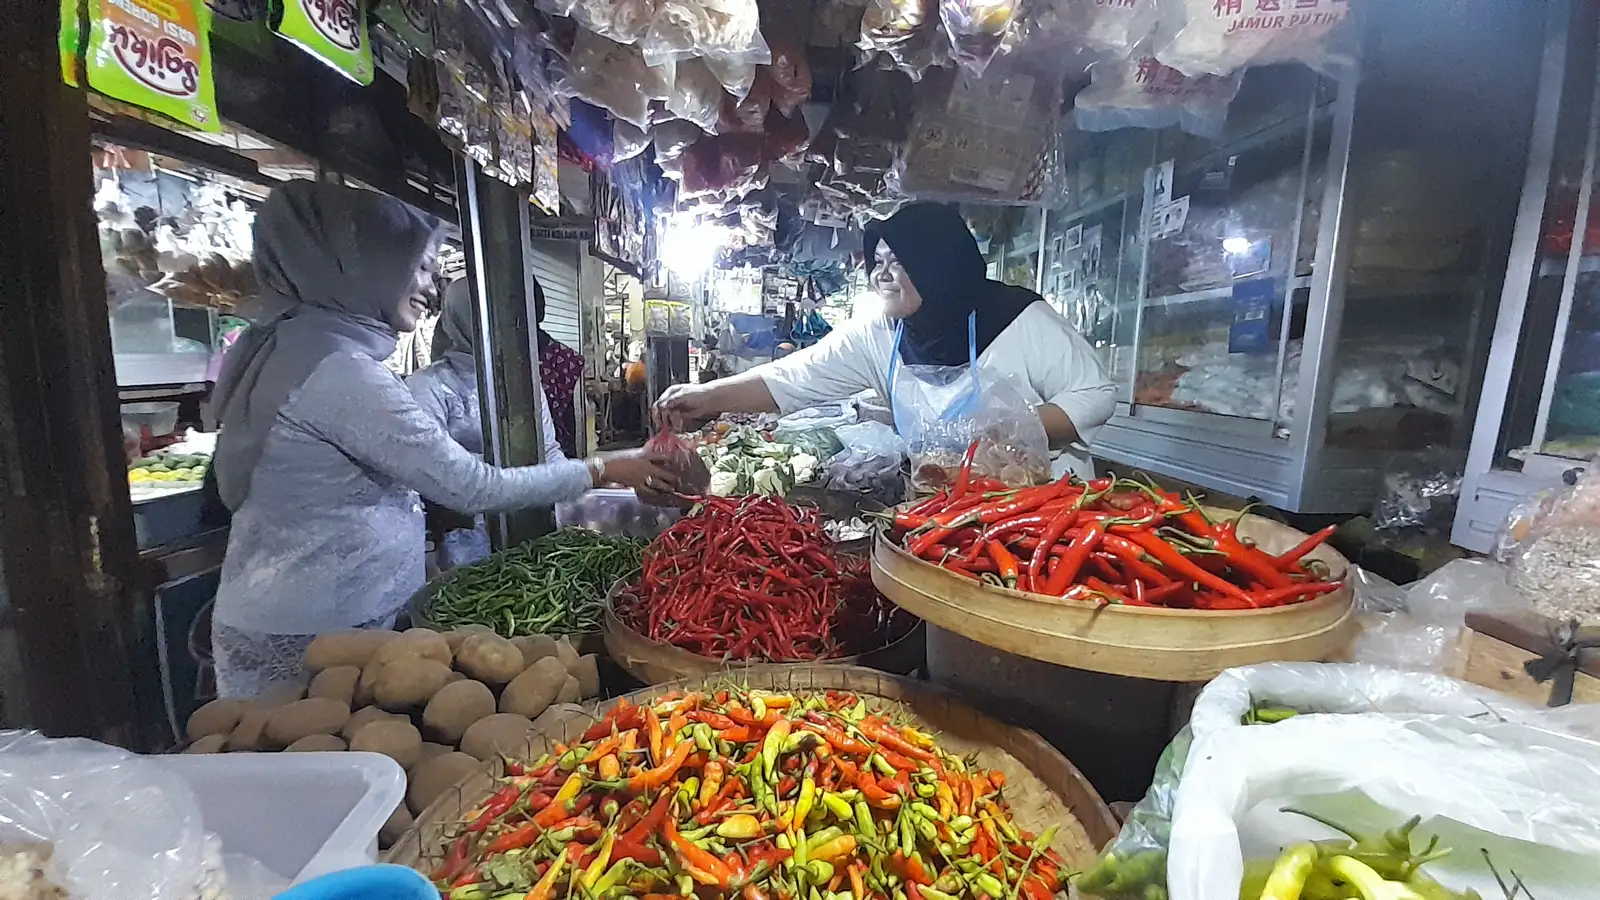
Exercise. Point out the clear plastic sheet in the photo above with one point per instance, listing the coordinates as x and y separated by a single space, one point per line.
119 826
696 94
627 141
869 463
976 29
1218 37
614 76
736 76
1371 748
1552 543
1140 92
1419 627
1420 495
1110 27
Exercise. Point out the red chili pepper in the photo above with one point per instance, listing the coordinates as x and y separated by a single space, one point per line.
1180 565
1133 556
1295 593
519 837
502 800
1004 562
1072 562
1052 533
965 476
1289 562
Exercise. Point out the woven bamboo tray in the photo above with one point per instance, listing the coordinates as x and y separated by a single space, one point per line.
1161 644
1043 788
654 662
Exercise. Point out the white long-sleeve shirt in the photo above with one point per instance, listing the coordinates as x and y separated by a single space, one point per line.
1039 351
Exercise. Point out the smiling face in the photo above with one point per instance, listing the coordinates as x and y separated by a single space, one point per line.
416 300
889 279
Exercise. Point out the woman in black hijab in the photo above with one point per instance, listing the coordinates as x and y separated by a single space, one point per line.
939 309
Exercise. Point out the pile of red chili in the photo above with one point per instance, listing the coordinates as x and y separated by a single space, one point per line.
754 578
1108 541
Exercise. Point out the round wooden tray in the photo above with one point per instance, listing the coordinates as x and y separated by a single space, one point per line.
653 662
1161 644
1042 786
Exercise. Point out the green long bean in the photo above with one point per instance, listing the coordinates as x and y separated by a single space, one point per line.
554 584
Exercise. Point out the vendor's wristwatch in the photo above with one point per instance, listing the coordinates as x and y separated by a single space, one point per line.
597 470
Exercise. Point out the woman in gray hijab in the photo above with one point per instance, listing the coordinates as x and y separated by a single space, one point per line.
448 390
323 451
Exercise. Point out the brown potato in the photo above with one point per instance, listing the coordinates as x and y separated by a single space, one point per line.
429 751
354 647
280 694
456 706
529 693
313 715
211 743
367 684
567 653
587 671
336 683
247 734
550 722
395 738
436 776
395 827
418 643
534 647
362 716
407 683
317 743
502 733
454 638
570 692
216 717
489 658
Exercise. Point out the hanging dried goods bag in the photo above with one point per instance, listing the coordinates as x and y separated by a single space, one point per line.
1217 37
332 31
155 55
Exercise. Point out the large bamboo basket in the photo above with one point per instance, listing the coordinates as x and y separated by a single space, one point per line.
1043 788
1161 644
654 662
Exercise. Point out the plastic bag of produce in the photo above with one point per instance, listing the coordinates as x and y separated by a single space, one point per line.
696 95
1217 37
1368 748
99 822
869 463
614 76
941 411
729 30
1140 92
1552 544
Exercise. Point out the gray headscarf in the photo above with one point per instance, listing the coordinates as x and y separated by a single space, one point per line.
333 263
454 340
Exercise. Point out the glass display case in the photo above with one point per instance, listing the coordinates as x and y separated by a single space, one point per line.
1539 417
1297 306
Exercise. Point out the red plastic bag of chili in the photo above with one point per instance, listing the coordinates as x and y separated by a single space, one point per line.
693 476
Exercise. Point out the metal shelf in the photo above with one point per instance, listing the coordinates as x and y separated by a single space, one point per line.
1098 206
1217 293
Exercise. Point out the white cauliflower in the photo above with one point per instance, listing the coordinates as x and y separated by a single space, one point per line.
724 484
804 466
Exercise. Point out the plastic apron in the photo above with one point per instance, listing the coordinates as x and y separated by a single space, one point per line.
931 403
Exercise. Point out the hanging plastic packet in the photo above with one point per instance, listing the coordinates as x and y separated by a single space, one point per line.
735 76
411 20
887 23
623 21
614 76
333 31
725 29
627 141
453 105
1217 37
1110 27
976 29
155 55
790 76
696 95
1140 92
546 191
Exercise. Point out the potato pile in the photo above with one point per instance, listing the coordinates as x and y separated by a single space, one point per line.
439 704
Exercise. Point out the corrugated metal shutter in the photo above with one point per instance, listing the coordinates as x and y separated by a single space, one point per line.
555 264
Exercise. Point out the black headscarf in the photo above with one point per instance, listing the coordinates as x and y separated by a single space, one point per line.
454 340
933 244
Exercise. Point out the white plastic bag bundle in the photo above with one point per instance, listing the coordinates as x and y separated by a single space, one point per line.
1140 92
1217 37
1373 748
1111 27
119 826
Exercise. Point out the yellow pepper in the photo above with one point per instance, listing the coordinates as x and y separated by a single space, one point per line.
602 857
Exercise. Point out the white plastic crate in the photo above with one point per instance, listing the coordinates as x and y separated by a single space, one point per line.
299 814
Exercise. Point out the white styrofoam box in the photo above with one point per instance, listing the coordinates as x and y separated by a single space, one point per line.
299 814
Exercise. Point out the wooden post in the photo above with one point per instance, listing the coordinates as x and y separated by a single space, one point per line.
494 229
81 618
